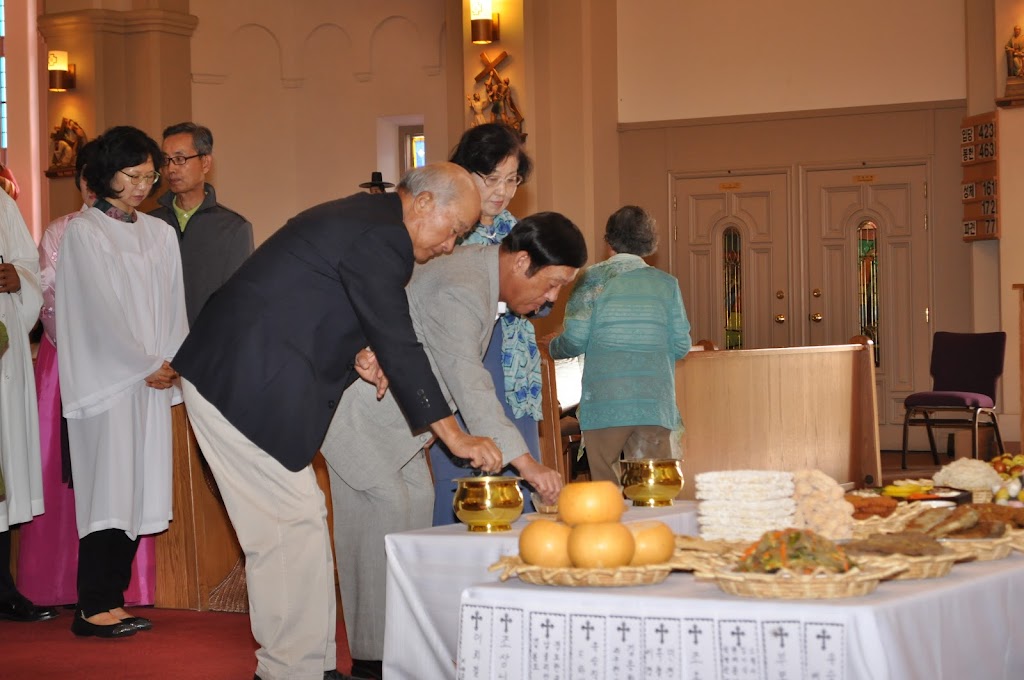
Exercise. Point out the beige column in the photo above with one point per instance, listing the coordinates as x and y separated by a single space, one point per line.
133 67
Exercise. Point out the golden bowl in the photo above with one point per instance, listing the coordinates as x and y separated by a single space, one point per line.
651 482
488 504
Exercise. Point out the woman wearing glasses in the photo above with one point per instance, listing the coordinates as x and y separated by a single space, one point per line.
120 310
494 155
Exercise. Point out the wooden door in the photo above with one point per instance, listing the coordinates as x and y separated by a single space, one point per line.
731 257
889 205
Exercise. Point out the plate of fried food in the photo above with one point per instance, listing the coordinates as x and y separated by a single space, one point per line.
973 530
923 555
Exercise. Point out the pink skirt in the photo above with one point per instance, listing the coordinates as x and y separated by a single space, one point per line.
48 545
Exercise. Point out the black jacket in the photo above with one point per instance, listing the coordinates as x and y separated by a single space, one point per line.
273 349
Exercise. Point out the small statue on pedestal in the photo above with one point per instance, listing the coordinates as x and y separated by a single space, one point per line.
1015 64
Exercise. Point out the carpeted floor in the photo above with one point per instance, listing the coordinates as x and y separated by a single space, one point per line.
183 644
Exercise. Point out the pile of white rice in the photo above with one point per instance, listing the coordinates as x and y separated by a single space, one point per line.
740 505
968 474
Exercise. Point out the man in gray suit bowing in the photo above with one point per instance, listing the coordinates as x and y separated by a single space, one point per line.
380 481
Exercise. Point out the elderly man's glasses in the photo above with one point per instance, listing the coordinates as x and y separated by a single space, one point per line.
136 180
181 160
511 182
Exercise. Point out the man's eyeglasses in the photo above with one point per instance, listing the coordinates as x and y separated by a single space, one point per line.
511 182
136 180
181 160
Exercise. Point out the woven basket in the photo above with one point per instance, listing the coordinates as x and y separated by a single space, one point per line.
984 496
700 562
981 549
701 545
1017 539
513 565
917 566
894 523
786 585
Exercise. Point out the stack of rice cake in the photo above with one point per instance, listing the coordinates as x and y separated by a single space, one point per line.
740 505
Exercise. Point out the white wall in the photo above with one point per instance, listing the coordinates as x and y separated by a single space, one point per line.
705 58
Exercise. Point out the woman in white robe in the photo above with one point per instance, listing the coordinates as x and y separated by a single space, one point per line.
21 297
120 320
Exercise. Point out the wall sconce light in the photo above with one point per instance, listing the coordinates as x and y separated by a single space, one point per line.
483 24
62 74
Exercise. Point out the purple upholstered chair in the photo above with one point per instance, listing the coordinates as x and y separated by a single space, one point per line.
965 368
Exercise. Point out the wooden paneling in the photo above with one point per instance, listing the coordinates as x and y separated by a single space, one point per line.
780 409
199 548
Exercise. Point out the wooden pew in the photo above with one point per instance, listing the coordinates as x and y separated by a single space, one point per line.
780 409
199 561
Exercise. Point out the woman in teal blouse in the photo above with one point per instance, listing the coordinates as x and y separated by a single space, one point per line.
628 319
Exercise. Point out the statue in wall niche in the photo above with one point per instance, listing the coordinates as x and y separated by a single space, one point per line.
68 138
1014 49
1015 54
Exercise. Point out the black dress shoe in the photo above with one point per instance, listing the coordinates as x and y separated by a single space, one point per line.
335 675
138 623
20 608
368 669
82 628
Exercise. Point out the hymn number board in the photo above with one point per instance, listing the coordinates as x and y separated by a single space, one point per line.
979 150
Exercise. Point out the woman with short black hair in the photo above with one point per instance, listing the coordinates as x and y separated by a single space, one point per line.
496 159
120 309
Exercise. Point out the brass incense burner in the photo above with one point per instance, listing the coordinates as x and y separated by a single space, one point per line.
651 482
488 504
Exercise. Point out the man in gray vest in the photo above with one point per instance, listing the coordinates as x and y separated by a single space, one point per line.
214 240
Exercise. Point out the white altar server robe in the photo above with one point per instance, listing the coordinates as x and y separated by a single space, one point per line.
19 415
120 314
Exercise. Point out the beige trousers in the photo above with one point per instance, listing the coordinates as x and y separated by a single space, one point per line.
280 518
605 446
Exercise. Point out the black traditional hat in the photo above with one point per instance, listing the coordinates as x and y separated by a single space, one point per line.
376 180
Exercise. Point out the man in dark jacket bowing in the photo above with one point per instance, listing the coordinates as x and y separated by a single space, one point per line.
265 365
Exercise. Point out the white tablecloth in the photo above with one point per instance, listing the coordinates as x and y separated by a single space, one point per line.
427 572
967 625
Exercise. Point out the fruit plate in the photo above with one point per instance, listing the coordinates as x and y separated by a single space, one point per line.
786 585
513 565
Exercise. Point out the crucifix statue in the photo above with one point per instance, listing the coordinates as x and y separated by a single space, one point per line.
498 91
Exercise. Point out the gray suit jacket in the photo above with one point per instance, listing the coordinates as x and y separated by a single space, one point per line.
453 301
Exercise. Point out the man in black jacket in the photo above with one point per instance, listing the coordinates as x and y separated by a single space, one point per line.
266 363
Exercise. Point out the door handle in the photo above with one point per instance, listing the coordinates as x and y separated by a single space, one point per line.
816 317
780 318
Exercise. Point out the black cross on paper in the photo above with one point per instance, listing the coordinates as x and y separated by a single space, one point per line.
781 634
696 633
547 626
587 627
824 637
738 634
476 621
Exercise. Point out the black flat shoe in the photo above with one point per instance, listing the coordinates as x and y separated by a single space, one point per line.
20 608
138 623
82 628
367 669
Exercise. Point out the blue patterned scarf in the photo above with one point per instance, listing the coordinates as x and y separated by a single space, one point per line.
520 359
